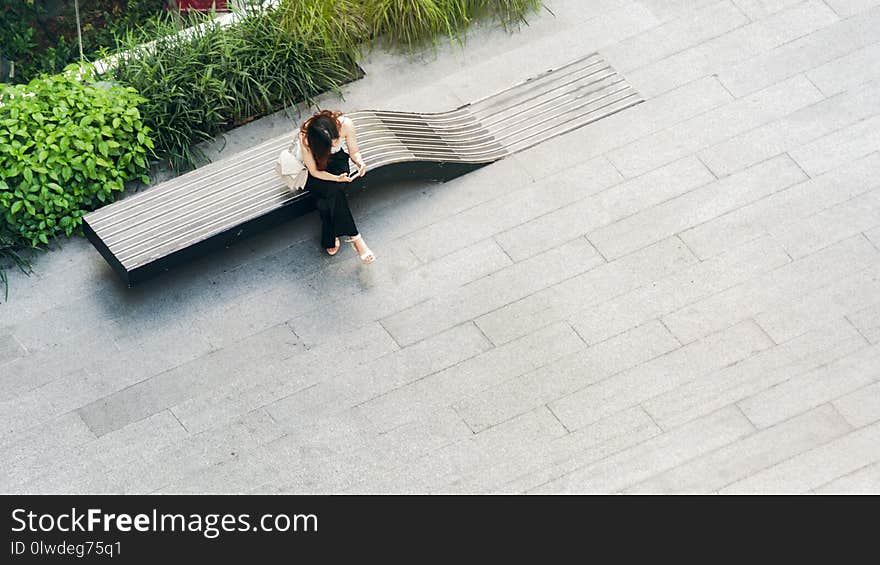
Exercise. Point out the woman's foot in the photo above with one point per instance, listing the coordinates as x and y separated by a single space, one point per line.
366 256
333 250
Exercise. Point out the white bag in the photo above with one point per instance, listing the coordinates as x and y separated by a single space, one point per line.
290 167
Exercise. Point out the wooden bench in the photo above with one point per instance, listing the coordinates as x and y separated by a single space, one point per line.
215 205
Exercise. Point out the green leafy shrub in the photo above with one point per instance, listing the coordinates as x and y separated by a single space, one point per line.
66 147
218 77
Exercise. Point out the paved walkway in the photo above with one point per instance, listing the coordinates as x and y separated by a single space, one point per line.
682 297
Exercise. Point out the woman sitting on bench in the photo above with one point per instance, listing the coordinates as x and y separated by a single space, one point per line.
326 139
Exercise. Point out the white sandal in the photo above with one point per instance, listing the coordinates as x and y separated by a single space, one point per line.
336 247
367 256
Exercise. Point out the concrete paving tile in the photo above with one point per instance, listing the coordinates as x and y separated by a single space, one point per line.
472 376
759 9
779 23
619 129
789 132
233 398
571 373
802 54
138 356
867 321
69 392
760 372
837 222
61 325
714 126
771 290
848 71
765 448
86 469
695 207
690 29
414 204
608 206
10 349
231 476
32 451
658 454
839 147
851 7
778 211
29 301
822 305
513 208
493 291
659 375
171 459
511 442
674 291
491 74
666 10
874 236
586 292
399 368
335 320
24 374
171 387
816 467
860 407
256 312
568 452
817 387
863 481
325 467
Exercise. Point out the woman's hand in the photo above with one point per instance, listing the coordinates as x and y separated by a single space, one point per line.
362 168
343 178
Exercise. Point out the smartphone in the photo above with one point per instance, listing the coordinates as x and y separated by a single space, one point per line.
354 173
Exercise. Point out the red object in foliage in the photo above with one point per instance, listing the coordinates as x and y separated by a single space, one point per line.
202 5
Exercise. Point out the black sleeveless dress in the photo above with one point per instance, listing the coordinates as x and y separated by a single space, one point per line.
332 203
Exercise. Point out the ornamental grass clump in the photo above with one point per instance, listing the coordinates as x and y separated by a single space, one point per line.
511 13
202 83
413 23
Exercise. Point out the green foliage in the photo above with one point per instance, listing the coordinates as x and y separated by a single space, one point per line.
215 78
38 43
511 13
339 27
411 23
209 81
16 35
66 147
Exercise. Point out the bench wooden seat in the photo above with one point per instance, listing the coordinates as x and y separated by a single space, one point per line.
215 205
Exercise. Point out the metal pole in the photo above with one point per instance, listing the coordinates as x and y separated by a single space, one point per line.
78 30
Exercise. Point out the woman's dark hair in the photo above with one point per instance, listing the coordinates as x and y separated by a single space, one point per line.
321 129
